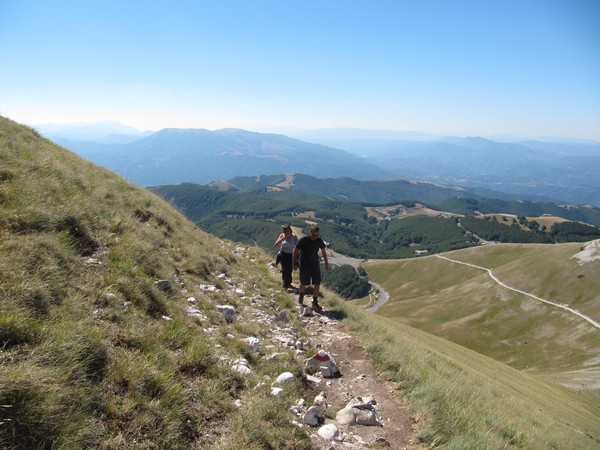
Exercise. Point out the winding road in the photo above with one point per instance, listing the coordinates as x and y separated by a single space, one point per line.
504 285
384 296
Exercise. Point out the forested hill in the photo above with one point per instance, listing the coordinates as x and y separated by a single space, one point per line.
253 214
446 198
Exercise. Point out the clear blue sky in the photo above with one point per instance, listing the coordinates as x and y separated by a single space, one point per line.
481 67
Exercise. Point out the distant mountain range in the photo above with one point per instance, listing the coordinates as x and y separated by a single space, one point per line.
173 156
566 171
563 172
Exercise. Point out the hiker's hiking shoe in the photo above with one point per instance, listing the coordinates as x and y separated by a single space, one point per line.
301 299
316 307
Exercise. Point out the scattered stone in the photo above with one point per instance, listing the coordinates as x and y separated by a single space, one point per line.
191 300
359 412
330 432
301 344
277 392
282 316
254 343
307 312
192 311
321 400
284 378
313 379
274 356
241 366
228 312
313 416
244 370
209 288
240 292
167 318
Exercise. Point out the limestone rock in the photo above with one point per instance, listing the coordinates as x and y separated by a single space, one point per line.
284 378
313 416
330 432
228 312
359 411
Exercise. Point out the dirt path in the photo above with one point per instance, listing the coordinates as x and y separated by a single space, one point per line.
504 285
359 379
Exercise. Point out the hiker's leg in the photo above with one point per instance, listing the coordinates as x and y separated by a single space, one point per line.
286 269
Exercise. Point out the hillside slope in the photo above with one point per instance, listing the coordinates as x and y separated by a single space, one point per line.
111 334
462 303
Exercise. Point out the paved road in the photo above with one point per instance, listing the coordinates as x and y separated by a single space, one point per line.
383 297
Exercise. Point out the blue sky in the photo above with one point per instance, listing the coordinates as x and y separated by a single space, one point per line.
525 68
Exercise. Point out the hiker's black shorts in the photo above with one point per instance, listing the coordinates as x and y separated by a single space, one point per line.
310 274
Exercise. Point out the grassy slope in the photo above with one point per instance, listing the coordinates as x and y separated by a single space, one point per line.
465 305
87 359
462 304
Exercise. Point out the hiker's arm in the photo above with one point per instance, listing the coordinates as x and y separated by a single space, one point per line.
295 257
325 258
279 239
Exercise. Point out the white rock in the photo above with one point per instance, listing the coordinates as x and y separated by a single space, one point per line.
191 300
313 416
276 392
285 377
208 288
359 411
240 368
330 432
321 400
300 344
313 379
254 343
228 312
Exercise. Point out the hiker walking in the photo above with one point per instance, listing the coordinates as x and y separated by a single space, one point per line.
306 256
288 241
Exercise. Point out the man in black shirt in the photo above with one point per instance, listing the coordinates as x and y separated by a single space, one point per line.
306 253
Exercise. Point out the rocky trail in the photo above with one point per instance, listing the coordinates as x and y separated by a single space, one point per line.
358 380
358 409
